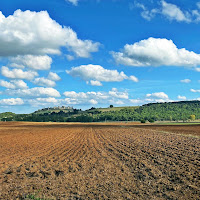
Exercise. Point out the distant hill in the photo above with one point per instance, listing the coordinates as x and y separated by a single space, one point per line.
6 115
169 111
55 109
172 111
109 109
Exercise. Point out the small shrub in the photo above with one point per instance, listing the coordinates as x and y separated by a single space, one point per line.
151 120
143 121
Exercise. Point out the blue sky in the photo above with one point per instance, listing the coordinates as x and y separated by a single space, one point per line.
85 53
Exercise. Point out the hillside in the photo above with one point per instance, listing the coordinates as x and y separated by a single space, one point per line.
57 109
6 115
169 111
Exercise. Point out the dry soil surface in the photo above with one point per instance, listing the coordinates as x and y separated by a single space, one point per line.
95 161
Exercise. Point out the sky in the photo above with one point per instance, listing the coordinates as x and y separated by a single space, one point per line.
96 53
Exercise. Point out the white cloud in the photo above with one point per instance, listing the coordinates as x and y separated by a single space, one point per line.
11 102
74 2
98 73
75 95
53 76
18 73
95 83
150 99
147 14
185 81
93 101
159 95
181 97
33 62
35 33
173 12
193 90
116 102
196 14
16 65
44 82
133 78
197 69
19 84
113 96
81 48
156 52
7 84
136 101
13 84
47 100
157 100
120 95
34 92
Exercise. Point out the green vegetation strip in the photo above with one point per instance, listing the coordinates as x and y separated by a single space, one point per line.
34 196
185 111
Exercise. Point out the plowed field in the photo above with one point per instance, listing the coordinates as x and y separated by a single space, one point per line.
95 161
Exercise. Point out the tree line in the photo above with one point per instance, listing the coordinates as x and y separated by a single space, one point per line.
170 111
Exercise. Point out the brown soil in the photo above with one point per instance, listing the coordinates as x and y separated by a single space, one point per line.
95 161
180 129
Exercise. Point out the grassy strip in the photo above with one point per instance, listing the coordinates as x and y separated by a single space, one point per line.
177 123
33 196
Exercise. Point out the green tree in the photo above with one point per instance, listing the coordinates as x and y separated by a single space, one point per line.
192 117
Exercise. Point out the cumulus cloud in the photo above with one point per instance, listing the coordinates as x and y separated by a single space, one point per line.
11 102
173 12
7 84
181 97
95 83
74 2
33 92
96 73
156 52
73 94
81 48
47 100
121 95
19 84
33 62
113 96
159 95
185 80
136 101
53 76
15 65
13 84
44 82
93 101
18 73
146 100
118 102
35 33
